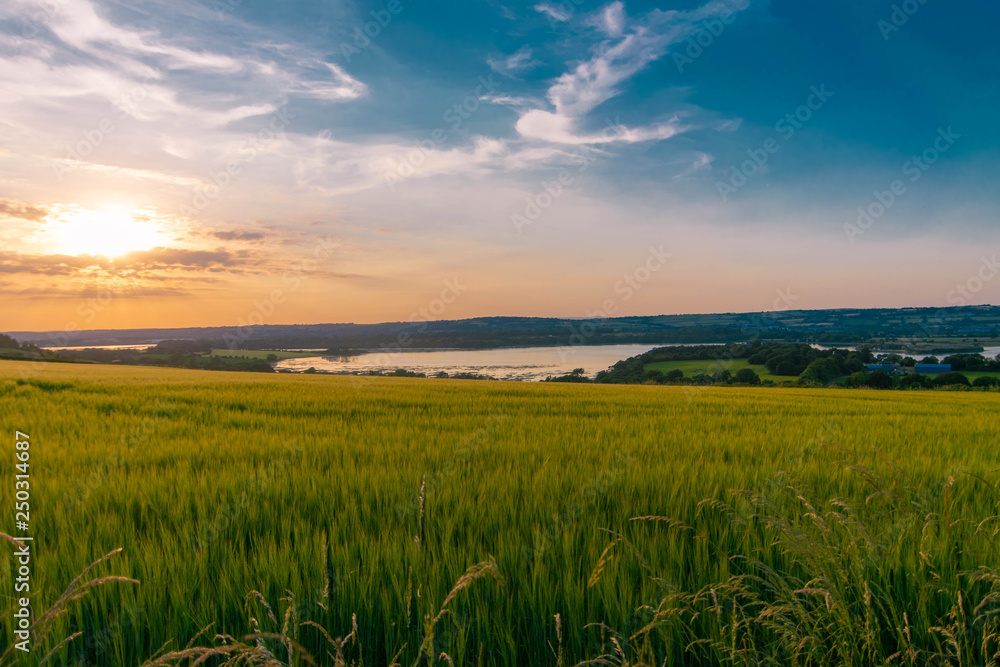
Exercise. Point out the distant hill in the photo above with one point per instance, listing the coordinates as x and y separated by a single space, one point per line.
847 325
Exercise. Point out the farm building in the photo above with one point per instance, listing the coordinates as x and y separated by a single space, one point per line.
932 369
885 368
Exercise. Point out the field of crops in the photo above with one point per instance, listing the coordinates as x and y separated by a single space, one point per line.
373 496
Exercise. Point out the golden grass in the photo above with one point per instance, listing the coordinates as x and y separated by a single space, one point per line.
370 497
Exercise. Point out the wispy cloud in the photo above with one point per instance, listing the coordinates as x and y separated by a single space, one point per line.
554 12
143 102
610 20
512 64
238 235
629 49
146 260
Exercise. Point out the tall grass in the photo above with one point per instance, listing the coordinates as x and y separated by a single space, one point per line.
895 578
368 500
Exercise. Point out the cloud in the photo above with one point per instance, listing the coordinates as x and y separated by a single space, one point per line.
511 65
610 20
238 236
57 291
561 129
145 260
150 101
699 162
18 209
197 91
159 258
68 165
629 50
554 12
50 265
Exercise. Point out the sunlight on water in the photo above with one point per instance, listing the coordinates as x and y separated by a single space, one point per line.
525 363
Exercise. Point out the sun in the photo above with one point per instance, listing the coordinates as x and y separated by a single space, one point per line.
110 233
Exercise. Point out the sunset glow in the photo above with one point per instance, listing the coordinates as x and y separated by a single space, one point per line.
532 151
106 233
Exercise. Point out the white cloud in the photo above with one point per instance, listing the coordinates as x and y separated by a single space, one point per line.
186 128
510 65
629 50
554 12
611 19
133 104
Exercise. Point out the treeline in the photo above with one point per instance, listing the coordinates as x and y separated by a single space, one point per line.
782 359
803 365
12 349
175 354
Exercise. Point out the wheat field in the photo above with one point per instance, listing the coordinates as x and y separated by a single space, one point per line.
312 505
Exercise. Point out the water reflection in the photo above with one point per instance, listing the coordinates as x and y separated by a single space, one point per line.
523 363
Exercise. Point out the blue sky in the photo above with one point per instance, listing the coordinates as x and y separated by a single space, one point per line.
186 157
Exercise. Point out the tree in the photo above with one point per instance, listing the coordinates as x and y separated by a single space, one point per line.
880 380
787 367
724 377
576 375
951 379
866 355
916 381
655 376
859 379
676 374
986 381
271 358
930 360
746 376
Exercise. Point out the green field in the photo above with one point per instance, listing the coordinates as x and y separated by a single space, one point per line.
308 488
972 375
713 366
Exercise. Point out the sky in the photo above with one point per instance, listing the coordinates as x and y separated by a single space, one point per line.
221 162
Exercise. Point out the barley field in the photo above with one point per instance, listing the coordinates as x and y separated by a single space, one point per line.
580 522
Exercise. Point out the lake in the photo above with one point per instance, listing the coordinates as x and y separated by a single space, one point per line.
521 363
